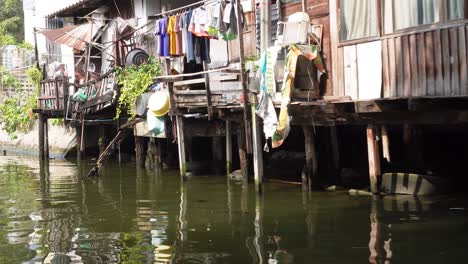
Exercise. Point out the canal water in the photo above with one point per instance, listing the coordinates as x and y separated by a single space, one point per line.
52 213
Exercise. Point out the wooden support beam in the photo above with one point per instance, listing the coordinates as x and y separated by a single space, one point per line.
243 80
79 155
244 163
385 144
154 148
181 147
310 179
140 151
41 137
373 157
46 139
101 140
208 91
228 147
257 150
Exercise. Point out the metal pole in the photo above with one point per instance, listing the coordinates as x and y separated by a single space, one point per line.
36 51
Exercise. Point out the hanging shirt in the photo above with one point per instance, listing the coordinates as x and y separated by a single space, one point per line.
172 35
163 37
183 33
156 39
189 36
178 32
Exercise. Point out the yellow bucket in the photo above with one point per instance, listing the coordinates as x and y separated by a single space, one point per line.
158 103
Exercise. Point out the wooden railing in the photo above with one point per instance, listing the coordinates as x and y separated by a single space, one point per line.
99 93
53 95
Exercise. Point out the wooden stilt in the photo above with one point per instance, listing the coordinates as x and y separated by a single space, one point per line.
78 144
181 147
155 154
101 141
228 147
310 177
46 139
374 157
158 154
385 144
41 137
244 165
257 151
140 151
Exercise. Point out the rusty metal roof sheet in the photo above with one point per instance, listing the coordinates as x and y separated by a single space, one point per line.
75 36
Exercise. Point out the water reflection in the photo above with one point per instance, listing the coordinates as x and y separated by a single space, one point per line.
51 212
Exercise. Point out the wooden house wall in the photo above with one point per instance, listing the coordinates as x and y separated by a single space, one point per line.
425 63
319 12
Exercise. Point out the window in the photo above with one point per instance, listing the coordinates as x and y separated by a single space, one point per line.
456 9
402 14
412 13
358 19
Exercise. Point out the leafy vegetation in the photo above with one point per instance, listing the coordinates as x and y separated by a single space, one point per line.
134 81
16 112
11 22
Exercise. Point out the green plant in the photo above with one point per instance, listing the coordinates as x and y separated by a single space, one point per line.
134 81
7 80
35 77
16 114
25 45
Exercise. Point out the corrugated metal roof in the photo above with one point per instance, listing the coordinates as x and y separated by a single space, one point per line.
75 36
81 6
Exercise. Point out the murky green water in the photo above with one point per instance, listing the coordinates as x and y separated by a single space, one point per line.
51 214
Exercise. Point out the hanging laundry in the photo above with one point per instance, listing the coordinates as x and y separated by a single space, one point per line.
283 127
188 36
163 37
172 35
182 33
178 36
266 109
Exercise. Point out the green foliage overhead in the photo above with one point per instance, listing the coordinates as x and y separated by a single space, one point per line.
134 81
11 22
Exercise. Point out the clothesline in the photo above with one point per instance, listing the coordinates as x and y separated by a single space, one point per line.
184 7
193 74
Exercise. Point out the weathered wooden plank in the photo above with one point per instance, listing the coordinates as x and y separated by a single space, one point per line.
189 82
399 65
454 70
407 67
309 177
430 74
438 66
350 72
462 40
339 81
446 61
421 64
97 100
414 65
386 70
392 67
374 157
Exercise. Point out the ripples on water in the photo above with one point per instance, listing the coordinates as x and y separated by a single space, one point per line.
51 214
